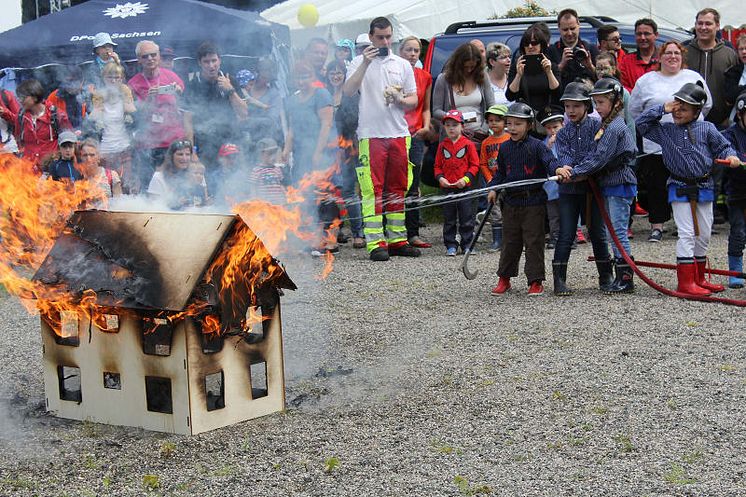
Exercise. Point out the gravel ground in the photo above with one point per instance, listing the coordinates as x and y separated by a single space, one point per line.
443 390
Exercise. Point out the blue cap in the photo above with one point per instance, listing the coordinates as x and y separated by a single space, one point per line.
244 76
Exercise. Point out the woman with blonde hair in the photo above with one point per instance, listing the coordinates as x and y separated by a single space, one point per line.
112 114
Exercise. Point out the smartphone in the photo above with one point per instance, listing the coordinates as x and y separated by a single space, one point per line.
533 63
383 52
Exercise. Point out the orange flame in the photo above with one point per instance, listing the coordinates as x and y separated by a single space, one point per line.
34 214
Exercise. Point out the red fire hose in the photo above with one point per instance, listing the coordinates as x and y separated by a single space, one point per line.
643 276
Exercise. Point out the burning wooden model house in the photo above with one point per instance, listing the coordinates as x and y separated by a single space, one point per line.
168 322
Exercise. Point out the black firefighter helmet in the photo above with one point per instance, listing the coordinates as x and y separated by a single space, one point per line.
577 92
692 94
520 110
607 85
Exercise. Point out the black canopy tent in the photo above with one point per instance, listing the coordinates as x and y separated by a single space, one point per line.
66 37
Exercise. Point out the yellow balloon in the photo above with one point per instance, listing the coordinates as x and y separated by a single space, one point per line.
308 15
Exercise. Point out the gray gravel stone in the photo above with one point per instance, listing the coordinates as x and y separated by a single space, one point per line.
418 382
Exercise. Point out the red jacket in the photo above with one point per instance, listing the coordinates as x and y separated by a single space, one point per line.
38 139
456 160
632 68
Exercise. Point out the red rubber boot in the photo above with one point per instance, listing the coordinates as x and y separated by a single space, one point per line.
701 281
686 274
503 285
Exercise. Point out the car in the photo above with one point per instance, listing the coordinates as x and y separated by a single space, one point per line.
510 31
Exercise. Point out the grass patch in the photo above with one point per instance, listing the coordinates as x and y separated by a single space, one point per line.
625 443
677 475
465 488
151 482
331 464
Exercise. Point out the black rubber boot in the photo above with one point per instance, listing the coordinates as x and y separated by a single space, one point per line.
605 274
623 282
559 269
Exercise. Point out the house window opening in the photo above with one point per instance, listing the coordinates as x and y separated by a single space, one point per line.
258 377
215 391
69 381
158 394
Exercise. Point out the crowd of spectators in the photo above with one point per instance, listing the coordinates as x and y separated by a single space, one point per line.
357 110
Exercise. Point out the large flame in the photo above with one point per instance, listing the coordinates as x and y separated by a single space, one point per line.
35 212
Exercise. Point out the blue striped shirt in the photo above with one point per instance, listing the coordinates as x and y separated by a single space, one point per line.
685 156
519 160
573 143
735 185
611 160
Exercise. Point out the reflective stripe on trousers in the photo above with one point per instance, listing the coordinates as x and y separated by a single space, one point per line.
385 174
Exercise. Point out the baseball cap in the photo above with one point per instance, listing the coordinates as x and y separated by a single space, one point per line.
67 137
454 114
227 149
497 109
266 144
362 40
244 76
101 39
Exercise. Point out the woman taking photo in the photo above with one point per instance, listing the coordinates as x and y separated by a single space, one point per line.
498 66
651 90
534 78
418 120
464 86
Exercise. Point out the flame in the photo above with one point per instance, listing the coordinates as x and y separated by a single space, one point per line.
35 212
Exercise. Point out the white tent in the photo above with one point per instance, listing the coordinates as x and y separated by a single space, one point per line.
424 18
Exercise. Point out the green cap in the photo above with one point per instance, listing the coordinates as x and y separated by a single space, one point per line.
498 110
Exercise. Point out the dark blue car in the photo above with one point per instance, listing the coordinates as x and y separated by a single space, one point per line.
510 31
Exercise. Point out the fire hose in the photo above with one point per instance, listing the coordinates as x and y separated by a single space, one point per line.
643 276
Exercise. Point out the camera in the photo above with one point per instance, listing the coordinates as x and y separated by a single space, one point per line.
383 52
579 54
171 89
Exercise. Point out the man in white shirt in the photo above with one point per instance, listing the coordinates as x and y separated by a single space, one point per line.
387 89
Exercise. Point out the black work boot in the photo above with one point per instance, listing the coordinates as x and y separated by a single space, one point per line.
623 282
559 269
605 274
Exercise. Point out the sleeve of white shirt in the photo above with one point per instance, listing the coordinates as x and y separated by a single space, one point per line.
410 85
354 65
157 184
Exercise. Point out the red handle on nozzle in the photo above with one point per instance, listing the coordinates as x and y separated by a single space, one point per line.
726 162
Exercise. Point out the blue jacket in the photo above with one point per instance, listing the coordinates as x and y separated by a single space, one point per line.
574 142
690 150
520 160
735 178
611 160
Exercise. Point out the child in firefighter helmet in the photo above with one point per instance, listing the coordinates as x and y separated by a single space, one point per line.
573 144
689 149
523 208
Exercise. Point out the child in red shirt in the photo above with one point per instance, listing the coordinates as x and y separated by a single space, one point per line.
456 167
495 117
